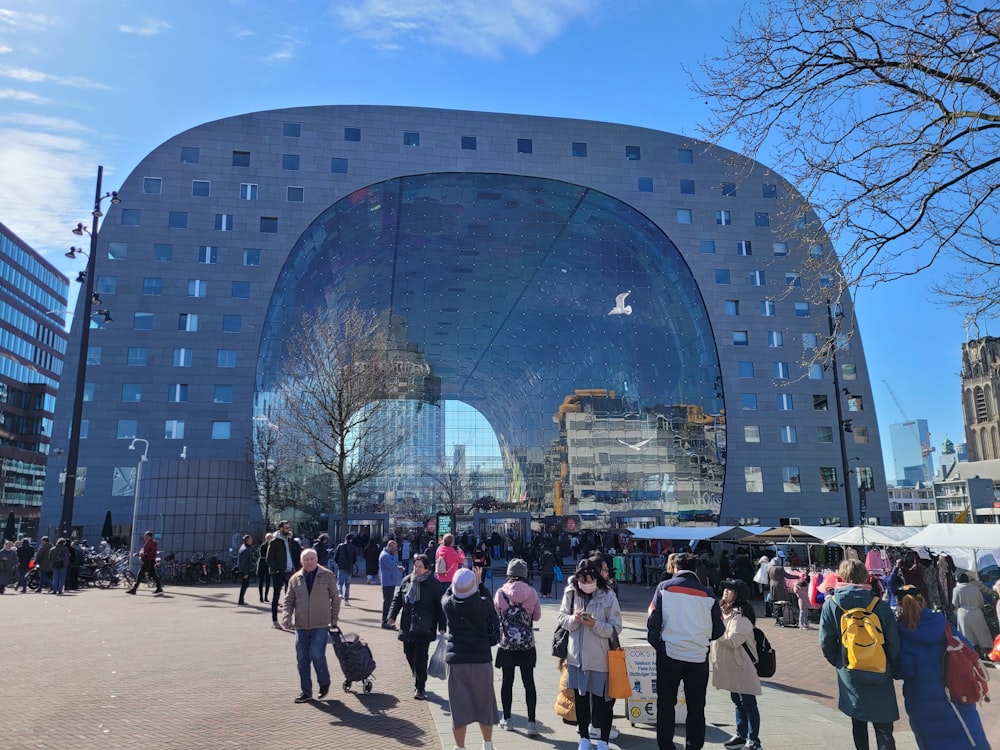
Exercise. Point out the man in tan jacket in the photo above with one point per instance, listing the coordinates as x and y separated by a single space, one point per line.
311 608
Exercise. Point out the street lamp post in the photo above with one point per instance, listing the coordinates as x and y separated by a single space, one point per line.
83 320
135 506
843 427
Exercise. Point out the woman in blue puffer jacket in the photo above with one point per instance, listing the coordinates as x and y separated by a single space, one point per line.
937 723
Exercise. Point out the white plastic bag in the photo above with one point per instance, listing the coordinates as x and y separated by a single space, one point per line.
436 666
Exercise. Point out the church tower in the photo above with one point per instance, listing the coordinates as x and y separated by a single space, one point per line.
980 383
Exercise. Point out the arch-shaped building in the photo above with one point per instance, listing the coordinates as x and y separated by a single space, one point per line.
601 315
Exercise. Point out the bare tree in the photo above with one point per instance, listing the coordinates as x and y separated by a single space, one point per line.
332 397
886 117
451 483
265 455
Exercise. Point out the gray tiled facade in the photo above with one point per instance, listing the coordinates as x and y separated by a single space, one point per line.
128 272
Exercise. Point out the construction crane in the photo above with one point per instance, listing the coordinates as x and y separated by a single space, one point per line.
925 445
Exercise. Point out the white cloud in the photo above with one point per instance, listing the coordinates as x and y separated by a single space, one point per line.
285 49
5 50
28 75
149 27
23 96
12 19
40 122
42 177
478 29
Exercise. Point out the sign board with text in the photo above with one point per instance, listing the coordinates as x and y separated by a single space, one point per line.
640 664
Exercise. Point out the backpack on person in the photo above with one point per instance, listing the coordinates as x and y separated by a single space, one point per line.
766 662
516 633
965 680
441 566
863 640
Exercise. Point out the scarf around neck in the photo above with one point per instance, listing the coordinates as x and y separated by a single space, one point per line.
413 595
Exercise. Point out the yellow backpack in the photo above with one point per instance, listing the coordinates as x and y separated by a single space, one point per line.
862 638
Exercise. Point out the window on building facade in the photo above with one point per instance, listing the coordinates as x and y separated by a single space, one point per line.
751 433
241 158
731 307
352 134
197 288
126 429
142 321
152 185
291 129
173 429
791 481
821 402
177 392
579 149
761 219
221 430
721 275
524 146
248 191
748 401
290 162
190 155
633 153
824 434
744 369
753 478
724 218
201 188
183 357
785 402
707 247
222 394
251 256
743 247
136 356
411 138
740 338
684 216
338 165
729 189
208 254
163 253
775 339
177 220
788 434
827 479
469 143
768 308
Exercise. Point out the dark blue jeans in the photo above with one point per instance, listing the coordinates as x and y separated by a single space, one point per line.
310 650
278 581
747 716
670 673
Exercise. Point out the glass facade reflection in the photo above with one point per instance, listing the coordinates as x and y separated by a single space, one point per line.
564 317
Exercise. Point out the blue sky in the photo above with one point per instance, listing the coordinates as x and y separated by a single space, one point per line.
84 83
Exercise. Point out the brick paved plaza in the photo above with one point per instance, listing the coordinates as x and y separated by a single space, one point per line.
190 669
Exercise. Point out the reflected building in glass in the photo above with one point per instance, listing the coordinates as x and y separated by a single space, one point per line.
585 317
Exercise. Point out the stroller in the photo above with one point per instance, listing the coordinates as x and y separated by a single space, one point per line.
355 659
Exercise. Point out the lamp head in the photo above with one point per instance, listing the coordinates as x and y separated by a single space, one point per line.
81 277
95 298
74 251
80 229
114 197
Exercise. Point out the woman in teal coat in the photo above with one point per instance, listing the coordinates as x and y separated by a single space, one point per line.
867 697
937 723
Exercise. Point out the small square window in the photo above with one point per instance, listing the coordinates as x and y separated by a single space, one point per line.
781 371
579 149
828 479
684 216
524 146
221 430
173 429
707 247
88 391
732 307
291 129
855 403
117 250
816 251
223 394
142 321
106 284
94 355
753 477
748 401
768 190
338 165
290 161
136 356
177 393
296 194
685 156
745 369
197 288
645 184
190 155
269 224
740 338
226 358
825 281
127 429
815 372
131 217
724 218
849 372
790 477
469 142
241 158
861 435
792 279
633 153
801 309
132 392
201 188
744 247
163 253
251 256
780 249
757 278
208 254
177 220
785 402
824 434
248 191
788 434
687 187
775 339
751 433
411 138
187 322
761 219
241 289
768 309
809 340
721 275
729 189
232 323
182 357
821 402
152 185
152 286
352 134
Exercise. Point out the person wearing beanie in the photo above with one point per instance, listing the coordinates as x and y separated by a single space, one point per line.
732 657
517 605
470 615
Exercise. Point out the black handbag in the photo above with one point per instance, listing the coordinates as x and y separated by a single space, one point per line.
560 639
421 623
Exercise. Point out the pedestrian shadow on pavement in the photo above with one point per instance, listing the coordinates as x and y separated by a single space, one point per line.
797 690
379 705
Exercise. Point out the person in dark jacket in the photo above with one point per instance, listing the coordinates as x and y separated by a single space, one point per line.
282 561
25 554
263 576
419 599
547 568
469 612
44 565
372 551
936 722
866 697
684 617
344 559
244 562
322 547
60 558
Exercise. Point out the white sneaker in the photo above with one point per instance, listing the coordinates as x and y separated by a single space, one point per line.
506 724
532 730
595 733
585 744
602 745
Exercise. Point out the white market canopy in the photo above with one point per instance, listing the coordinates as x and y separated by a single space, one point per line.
969 535
883 536
793 535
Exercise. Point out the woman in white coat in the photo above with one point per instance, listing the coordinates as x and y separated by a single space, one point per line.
733 669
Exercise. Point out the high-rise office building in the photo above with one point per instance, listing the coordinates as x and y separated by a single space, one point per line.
32 346
525 260
912 454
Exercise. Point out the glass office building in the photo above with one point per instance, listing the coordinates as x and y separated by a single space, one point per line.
592 317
